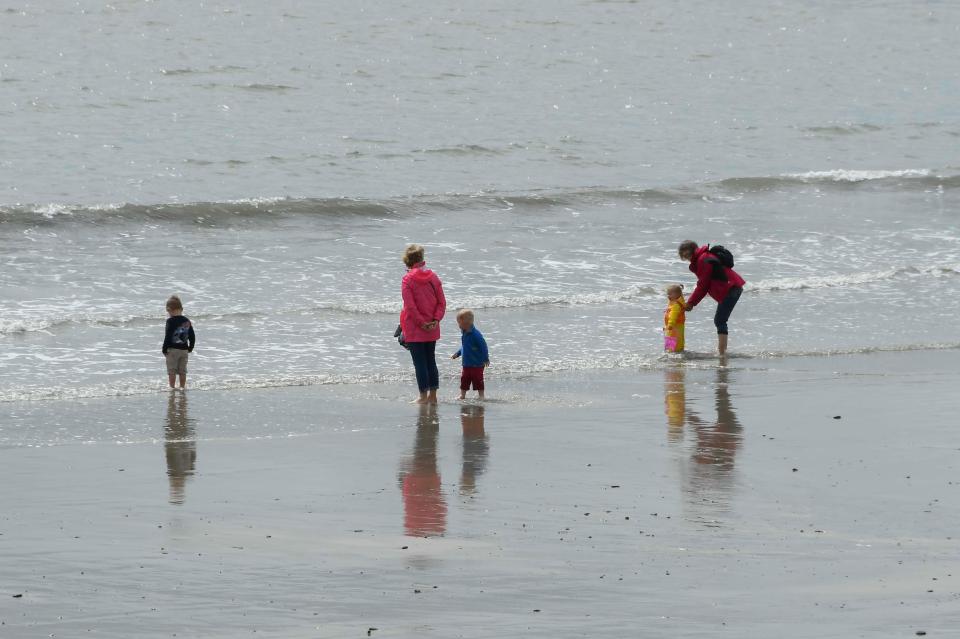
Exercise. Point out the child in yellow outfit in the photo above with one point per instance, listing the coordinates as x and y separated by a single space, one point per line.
673 320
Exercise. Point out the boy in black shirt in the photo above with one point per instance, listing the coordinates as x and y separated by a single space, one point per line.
178 340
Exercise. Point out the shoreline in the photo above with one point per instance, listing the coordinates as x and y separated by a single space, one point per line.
501 372
684 500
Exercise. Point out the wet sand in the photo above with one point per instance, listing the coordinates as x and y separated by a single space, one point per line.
687 502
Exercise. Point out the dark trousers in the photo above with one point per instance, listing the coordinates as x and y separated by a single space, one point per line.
724 309
424 355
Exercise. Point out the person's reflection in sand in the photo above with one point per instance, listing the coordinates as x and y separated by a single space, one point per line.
180 445
712 461
424 509
675 402
717 443
476 448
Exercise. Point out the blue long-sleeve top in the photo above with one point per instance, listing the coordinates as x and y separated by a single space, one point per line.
473 348
178 333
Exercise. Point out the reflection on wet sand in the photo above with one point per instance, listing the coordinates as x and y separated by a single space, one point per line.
675 402
180 446
708 471
424 509
476 448
718 442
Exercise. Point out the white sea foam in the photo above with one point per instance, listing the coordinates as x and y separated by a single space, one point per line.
45 319
505 301
850 279
51 211
854 175
503 370
12 326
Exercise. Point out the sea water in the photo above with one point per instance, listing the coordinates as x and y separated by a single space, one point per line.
268 162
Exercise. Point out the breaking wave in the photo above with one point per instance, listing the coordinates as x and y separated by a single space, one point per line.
14 325
265 208
850 279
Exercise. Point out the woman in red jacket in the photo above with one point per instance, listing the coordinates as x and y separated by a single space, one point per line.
423 308
722 283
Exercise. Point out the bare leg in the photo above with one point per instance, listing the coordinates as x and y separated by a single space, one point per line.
173 379
183 380
480 394
722 344
463 394
432 397
420 400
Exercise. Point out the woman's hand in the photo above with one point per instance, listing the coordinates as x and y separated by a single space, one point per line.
429 326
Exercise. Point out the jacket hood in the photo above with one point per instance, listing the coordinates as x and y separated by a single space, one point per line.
420 271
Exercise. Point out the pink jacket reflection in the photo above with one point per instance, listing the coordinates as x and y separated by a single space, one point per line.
423 302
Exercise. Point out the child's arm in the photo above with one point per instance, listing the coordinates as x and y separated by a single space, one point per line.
191 339
484 352
167 334
457 354
440 310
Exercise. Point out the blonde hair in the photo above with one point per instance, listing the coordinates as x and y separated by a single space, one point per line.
413 254
465 313
174 303
675 288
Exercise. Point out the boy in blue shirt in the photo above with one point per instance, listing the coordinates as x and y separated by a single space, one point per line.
473 348
178 341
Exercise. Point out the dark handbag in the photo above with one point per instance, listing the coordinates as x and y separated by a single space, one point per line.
399 335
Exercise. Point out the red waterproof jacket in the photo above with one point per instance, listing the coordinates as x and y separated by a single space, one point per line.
423 302
702 267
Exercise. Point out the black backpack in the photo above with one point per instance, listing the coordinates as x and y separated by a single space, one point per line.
723 255
720 258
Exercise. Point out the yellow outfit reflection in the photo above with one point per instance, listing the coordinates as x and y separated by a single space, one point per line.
675 402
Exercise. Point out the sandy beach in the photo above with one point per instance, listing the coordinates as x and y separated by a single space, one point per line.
773 497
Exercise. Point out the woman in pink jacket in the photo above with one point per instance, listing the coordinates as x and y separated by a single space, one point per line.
423 308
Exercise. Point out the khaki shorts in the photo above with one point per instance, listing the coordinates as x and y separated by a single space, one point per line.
176 361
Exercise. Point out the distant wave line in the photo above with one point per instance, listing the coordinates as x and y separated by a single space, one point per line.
260 208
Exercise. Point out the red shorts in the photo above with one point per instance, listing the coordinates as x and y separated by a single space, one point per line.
474 375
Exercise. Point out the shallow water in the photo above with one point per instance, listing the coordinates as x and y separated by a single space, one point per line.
550 157
300 298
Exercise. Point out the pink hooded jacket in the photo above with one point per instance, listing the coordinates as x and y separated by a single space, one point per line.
423 301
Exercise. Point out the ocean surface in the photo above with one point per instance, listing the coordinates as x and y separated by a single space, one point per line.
269 161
